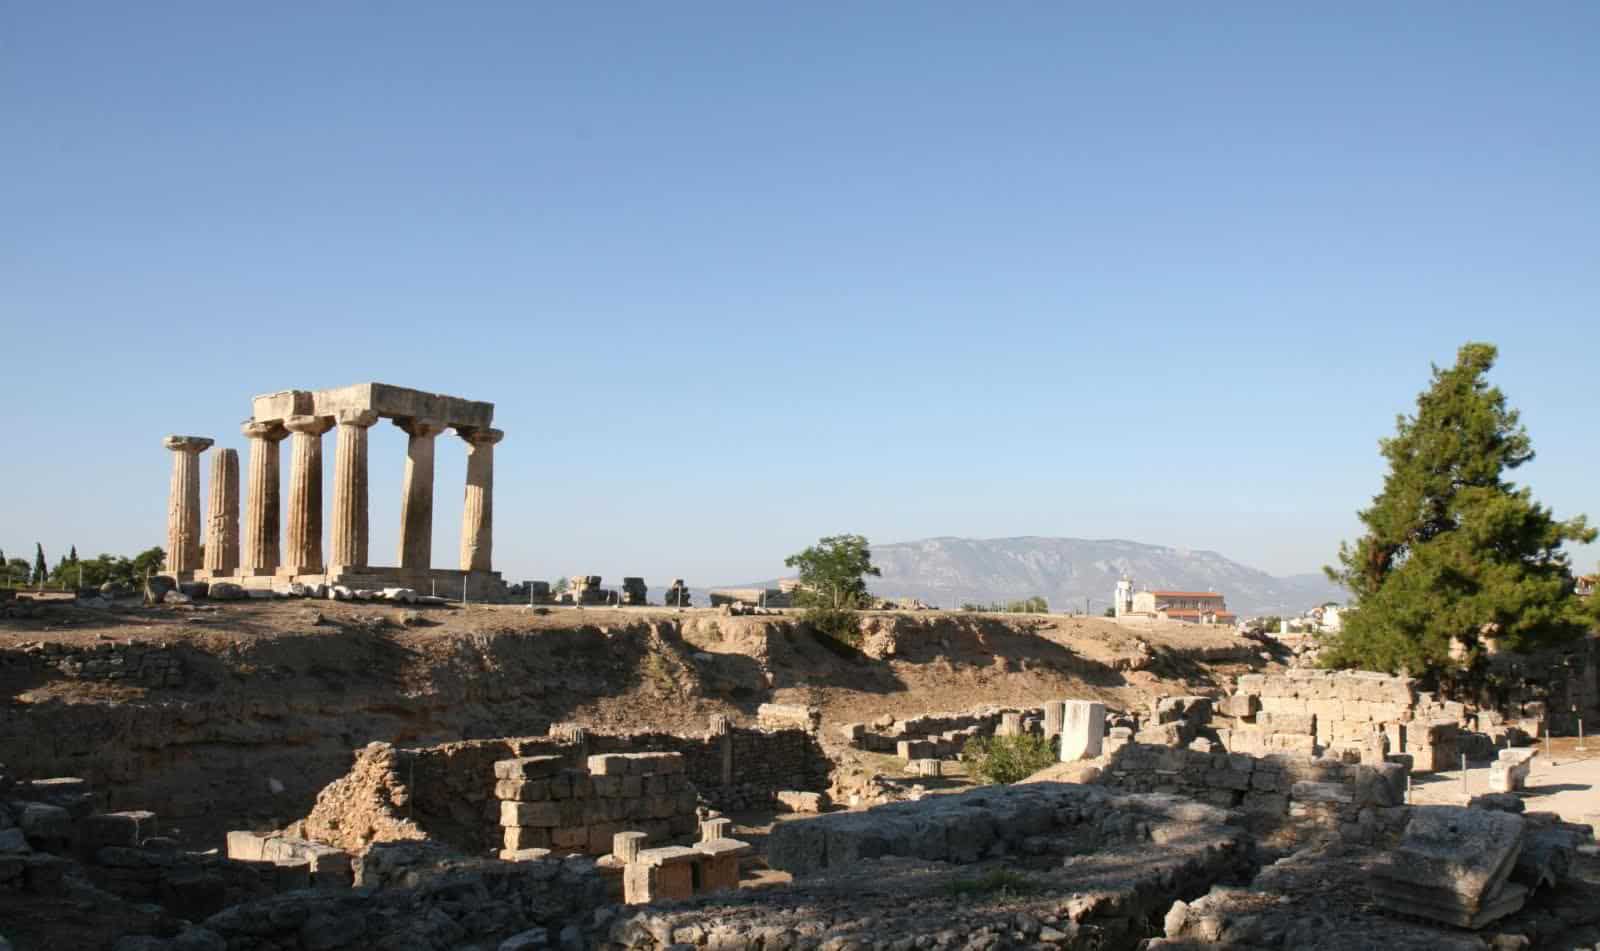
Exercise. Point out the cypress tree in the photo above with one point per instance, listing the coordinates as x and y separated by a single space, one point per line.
1453 550
41 568
72 559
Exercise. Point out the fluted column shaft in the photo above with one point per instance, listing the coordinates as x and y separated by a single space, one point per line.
261 552
222 528
303 529
183 503
350 522
416 504
477 517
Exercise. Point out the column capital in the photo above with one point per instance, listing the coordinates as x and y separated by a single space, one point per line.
360 418
480 437
187 443
269 429
310 425
419 427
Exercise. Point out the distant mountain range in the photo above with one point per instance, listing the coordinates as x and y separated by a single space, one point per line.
943 571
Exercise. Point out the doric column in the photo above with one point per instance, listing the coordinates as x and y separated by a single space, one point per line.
416 505
183 503
477 518
350 488
260 554
222 528
304 527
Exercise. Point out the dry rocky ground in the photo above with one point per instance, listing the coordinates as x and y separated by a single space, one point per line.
230 716
236 715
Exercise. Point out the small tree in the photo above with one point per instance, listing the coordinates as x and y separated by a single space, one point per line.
148 562
41 569
833 585
833 572
72 559
1453 550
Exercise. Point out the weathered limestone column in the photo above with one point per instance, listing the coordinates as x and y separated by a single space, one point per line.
477 518
1055 711
183 503
304 527
222 528
350 522
723 732
416 504
260 555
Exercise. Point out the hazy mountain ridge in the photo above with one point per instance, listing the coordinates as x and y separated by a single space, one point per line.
1068 570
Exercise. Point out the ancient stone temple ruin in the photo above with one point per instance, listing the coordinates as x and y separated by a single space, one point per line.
304 417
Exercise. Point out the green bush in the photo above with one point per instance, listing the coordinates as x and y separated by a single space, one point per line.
836 624
1007 759
1003 882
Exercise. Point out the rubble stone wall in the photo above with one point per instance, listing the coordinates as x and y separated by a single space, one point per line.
144 664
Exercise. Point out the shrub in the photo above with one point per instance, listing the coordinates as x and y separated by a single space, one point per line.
839 625
1001 881
1008 759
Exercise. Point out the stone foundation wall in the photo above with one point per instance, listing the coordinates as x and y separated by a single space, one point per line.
937 735
1271 788
448 791
1360 714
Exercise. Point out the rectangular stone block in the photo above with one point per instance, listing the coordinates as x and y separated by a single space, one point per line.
1287 723
518 838
537 814
1083 725
570 837
610 764
528 767
125 829
522 790
245 846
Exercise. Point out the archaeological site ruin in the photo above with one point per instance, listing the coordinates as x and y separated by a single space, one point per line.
277 747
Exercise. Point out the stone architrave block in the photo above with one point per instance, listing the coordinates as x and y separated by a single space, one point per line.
1083 727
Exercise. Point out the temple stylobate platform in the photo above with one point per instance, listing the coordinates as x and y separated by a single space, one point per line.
283 544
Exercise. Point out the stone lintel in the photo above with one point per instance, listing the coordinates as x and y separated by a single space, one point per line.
380 398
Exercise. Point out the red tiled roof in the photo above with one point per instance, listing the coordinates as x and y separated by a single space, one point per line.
1186 594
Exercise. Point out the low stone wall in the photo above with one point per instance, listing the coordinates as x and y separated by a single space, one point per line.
937 735
422 903
146 664
544 806
448 791
1267 789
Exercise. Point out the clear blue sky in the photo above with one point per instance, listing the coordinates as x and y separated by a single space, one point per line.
739 275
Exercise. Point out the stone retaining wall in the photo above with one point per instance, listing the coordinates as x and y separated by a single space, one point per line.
146 664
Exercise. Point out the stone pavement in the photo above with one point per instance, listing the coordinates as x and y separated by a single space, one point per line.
1566 783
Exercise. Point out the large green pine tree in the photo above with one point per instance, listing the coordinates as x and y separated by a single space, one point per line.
1453 550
